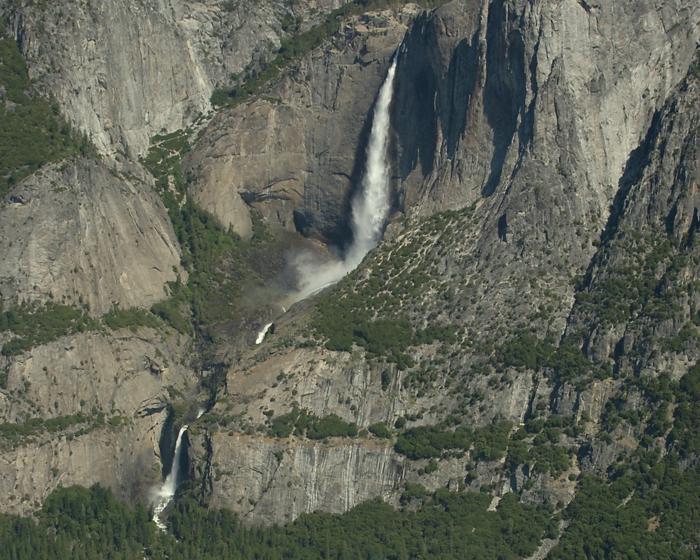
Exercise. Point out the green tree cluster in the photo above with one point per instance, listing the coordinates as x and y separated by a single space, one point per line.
131 318
653 513
425 442
221 266
347 320
14 433
380 430
650 506
302 423
33 325
77 523
565 362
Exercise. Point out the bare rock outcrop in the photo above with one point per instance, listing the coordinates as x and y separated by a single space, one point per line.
274 481
649 251
89 408
519 117
122 457
115 373
235 464
529 111
80 233
125 70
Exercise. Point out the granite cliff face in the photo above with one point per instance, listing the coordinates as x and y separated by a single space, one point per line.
533 104
526 119
296 153
83 233
89 405
651 231
267 480
103 400
541 252
510 78
124 71
124 459
121 372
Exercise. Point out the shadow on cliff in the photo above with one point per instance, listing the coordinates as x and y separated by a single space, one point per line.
340 238
504 92
413 111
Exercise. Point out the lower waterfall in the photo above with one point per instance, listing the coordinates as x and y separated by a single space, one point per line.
167 490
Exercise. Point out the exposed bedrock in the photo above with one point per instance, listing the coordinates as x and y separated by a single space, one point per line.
296 152
126 70
81 233
529 117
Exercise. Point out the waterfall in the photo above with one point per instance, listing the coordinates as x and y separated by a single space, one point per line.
262 334
370 205
166 492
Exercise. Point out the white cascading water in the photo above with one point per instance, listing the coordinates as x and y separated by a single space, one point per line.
370 206
166 491
262 334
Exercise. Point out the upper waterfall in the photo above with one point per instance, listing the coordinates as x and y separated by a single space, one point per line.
370 205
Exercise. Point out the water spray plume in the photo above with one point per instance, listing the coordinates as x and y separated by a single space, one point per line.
370 205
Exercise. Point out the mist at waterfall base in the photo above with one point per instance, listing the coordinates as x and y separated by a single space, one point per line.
370 206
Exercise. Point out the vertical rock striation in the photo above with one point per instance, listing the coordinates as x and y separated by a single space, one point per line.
268 481
126 70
